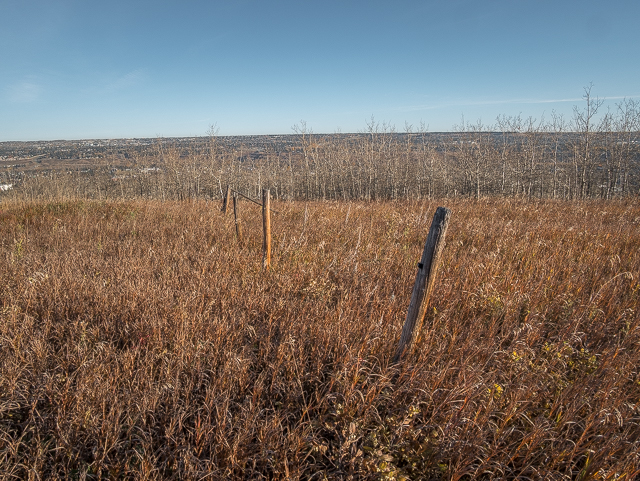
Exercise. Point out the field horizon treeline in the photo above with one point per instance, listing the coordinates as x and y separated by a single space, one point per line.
594 154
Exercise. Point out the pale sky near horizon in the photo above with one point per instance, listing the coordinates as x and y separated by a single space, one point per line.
74 69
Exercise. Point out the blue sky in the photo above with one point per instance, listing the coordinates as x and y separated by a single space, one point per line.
73 69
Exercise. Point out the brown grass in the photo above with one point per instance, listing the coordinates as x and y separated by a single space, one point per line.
138 340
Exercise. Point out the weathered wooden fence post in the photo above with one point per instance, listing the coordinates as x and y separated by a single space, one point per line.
266 223
225 201
236 218
427 270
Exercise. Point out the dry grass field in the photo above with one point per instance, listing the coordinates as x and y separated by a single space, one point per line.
141 340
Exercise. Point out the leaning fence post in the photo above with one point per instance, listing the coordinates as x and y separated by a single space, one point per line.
225 201
266 223
236 218
427 269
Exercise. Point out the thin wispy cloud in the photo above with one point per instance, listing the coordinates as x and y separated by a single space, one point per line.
23 92
470 103
118 84
126 81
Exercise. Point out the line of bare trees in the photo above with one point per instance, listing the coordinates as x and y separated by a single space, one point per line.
591 155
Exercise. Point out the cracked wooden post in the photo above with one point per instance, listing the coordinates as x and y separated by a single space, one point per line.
225 201
427 270
266 224
236 218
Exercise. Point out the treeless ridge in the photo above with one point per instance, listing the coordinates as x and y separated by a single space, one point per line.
140 340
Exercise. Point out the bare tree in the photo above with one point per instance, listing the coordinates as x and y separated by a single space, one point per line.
584 124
